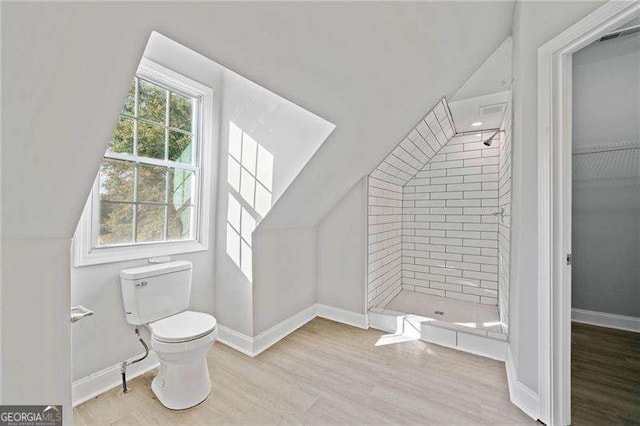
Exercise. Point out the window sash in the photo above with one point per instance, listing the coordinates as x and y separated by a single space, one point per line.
135 159
85 252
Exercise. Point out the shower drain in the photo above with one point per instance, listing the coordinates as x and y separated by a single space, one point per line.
438 312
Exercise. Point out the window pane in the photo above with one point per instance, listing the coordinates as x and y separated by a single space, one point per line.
233 245
180 147
150 140
235 141
249 153
130 101
263 200
265 167
122 138
179 223
152 183
116 223
233 174
180 187
180 112
150 223
152 102
247 187
248 225
246 260
116 180
233 212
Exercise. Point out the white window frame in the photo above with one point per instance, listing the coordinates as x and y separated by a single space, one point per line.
86 251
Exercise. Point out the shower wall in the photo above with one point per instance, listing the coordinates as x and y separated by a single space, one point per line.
450 231
385 219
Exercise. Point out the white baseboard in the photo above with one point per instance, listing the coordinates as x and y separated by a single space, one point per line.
281 330
603 319
253 346
520 394
342 315
91 386
236 340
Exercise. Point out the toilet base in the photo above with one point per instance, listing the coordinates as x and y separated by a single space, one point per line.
179 401
183 380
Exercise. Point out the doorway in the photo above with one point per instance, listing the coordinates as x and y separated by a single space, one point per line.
555 202
605 229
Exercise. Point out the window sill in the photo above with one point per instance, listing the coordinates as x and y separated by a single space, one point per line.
123 254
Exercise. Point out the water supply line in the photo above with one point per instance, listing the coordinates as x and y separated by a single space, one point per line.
125 364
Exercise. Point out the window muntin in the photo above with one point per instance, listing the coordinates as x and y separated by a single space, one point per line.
147 189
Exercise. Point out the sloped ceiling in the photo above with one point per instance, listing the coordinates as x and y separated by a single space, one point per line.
421 144
372 69
493 76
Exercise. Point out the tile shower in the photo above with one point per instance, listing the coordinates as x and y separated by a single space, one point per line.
439 226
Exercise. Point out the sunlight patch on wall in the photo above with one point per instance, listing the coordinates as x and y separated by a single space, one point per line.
250 175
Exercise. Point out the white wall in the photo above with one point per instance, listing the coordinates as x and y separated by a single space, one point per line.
285 274
292 135
342 241
606 92
606 243
534 24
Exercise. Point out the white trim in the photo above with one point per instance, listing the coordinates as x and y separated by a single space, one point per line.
83 251
253 346
236 340
554 203
383 322
520 394
343 316
97 383
440 333
281 330
603 319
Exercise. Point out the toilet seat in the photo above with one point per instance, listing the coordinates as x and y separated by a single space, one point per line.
182 327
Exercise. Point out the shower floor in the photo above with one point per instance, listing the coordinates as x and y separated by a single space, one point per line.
448 313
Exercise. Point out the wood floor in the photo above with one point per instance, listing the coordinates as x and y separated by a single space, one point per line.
605 376
328 373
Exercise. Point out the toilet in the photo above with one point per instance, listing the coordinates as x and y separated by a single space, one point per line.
157 297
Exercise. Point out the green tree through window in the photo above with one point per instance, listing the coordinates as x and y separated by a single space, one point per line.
148 177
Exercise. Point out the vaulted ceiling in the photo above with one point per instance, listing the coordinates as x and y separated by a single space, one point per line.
372 69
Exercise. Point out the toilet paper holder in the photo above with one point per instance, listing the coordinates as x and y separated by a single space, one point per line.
78 312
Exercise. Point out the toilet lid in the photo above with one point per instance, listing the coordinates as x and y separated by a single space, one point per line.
182 327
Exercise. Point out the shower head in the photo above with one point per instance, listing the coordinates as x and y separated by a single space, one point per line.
489 141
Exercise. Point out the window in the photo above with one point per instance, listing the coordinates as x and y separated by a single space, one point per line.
150 191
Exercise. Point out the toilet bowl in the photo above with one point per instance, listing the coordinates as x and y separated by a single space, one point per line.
158 296
182 342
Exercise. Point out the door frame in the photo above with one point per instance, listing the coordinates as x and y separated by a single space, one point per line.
554 202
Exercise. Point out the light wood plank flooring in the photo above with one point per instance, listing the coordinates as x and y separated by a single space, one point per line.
328 373
605 382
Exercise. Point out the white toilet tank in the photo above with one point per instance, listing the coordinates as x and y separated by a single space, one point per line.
157 291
